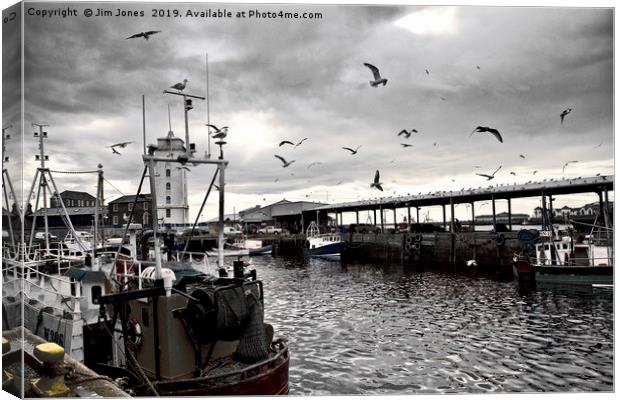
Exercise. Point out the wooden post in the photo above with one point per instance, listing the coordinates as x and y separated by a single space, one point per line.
357 216
408 214
473 218
417 214
493 206
551 211
509 215
443 208
452 235
381 212
395 222
374 220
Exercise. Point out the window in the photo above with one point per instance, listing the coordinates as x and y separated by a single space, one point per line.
129 206
167 199
115 207
167 173
115 220
95 293
145 218
145 205
168 213
167 185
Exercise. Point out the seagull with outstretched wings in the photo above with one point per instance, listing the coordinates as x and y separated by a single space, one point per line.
566 164
353 152
492 131
284 162
564 114
406 145
300 142
219 133
489 177
375 73
376 184
145 35
282 143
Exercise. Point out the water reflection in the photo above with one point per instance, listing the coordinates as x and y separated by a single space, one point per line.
367 329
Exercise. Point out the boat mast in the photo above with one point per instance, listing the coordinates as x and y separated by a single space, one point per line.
43 135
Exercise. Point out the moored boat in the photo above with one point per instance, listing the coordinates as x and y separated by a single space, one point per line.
328 246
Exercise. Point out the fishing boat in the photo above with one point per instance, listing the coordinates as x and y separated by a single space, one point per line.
556 257
327 246
253 246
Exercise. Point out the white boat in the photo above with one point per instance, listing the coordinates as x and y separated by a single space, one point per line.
326 246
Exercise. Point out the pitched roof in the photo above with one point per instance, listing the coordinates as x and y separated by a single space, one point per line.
74 194
131 198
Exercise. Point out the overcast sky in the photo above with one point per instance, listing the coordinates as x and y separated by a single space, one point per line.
276 79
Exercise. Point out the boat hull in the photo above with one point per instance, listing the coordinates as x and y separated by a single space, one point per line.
576 275
331 250
261 251
266 378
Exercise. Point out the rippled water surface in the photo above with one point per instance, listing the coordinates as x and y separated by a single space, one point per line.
368 329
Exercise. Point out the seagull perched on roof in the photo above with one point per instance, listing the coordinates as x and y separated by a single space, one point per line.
489 177
219 133
376 183
353 152
492 131
566 164
375 73
179 86
284 162
145 35
564 114
407 133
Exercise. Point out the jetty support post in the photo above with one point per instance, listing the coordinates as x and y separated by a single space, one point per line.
417 214
509 215
381 212
473 217
443 208
493 207
408 214
452 236
374 218
395 222
357 216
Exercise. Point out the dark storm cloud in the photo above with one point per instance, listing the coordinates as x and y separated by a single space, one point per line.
272 80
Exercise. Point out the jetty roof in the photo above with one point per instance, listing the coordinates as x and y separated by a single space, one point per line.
497 192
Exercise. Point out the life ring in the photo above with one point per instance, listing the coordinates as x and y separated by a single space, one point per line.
500 240
134 333
416 246
417 237
409 239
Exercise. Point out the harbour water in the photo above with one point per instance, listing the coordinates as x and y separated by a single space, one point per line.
368 329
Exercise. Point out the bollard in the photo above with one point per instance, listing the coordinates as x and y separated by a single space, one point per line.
52 381
238 268
7 378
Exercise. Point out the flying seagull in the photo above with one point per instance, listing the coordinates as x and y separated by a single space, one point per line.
564 114
301 141
406 145
492 131
179 86
376 183
598 145
340 182
427 72
521 155
353 152
535 171
471 263
313 164
122 145
115 152
145 35
513 173
489 177
566 164
284 162
407 133
219 133
478 66
282 143
378 79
